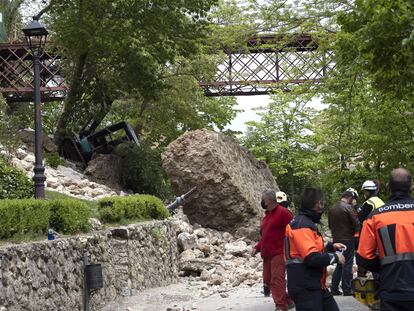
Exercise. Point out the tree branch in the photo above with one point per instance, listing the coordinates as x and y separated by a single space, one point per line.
44 10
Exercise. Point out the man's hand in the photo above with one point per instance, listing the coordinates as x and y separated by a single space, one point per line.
341 258
254 252
339 246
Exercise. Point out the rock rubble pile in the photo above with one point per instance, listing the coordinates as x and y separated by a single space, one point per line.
216 258
64 179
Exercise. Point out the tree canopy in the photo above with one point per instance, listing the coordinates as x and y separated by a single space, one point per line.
364 131
141 61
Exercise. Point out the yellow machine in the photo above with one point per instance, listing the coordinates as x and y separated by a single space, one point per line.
365 290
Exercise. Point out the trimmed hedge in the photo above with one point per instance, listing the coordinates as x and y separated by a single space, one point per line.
69 216
31 216
134 207
34 217
14 184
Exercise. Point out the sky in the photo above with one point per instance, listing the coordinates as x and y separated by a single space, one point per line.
248 103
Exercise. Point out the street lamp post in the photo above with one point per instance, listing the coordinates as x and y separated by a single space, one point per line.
36 36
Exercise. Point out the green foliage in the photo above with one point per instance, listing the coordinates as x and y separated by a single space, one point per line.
31 216
17 116
13 183
54 195
9 125
23 216
129 60
141 169
53 159
137 207
382 33
69 216
11 18
364 130
180 107
283 138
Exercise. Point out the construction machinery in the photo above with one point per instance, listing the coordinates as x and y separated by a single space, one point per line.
80 148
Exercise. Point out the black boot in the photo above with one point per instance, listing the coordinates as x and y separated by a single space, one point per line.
266 290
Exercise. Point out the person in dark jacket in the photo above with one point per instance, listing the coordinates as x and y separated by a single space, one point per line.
344 224
270 246
371 189
307 257
386 244
372 202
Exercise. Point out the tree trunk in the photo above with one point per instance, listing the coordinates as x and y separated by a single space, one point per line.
72 99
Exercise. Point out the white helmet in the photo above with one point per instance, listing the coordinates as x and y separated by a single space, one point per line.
353 191
369 185
281 197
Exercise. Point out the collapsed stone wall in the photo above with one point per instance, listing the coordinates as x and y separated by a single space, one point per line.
48 275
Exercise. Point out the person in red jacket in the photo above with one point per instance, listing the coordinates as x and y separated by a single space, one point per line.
271 246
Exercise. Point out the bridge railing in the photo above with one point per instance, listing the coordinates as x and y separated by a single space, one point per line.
16 74
268 63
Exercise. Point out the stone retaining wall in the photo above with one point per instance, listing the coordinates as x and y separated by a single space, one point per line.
48 275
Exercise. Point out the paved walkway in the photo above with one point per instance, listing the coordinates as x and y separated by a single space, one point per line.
186 296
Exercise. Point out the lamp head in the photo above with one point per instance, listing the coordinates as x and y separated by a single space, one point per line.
36 35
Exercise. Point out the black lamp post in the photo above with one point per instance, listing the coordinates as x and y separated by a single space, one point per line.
36 36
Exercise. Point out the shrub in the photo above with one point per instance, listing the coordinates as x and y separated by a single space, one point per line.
13 183
31 216
23 216
141 169
135 207
69 216
53 160
92 204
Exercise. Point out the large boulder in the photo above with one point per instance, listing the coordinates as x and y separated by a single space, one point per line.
228 177
105 169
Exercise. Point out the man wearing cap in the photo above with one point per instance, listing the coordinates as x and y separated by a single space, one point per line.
270 246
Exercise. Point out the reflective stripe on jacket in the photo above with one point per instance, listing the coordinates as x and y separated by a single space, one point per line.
305 254
387 245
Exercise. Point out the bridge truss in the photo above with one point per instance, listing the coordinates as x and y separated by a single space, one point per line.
267 63
16 74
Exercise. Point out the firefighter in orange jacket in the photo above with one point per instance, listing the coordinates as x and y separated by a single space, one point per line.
386 244
307 257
